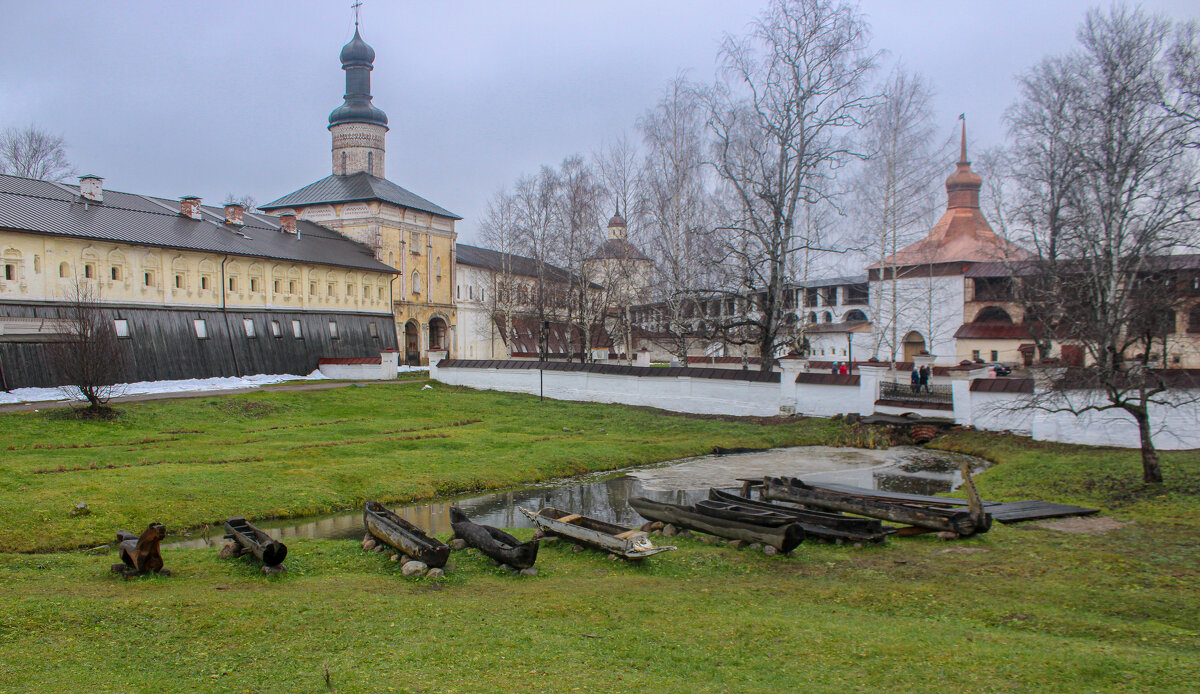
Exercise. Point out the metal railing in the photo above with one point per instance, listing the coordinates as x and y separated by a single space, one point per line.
893 390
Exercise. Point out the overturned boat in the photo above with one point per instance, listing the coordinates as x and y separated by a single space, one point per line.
822 524
784 537
493 542
390 529
609 537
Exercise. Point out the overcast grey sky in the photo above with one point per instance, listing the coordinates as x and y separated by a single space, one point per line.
209 98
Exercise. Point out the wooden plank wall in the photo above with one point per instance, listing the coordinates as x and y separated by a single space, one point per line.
162 343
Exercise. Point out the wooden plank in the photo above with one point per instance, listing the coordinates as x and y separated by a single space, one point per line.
893 496
571 519
1017 511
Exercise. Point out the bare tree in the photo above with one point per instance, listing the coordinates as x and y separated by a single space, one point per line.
1104 283
34 153
790 93
535 206
87 355
579 218
675 206
894 192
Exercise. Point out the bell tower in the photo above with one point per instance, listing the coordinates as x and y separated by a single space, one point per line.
358 127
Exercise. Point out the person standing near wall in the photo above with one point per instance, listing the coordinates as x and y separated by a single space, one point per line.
915 379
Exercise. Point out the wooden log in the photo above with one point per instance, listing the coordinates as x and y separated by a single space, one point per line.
784 538
932 517
141 554
254 541
393 530
493 542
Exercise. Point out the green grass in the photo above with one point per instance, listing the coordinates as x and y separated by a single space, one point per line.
1035 610
189 462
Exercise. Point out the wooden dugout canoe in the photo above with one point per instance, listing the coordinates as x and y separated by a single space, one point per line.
269 550
493 542
609 537
396 532
829 526
784 538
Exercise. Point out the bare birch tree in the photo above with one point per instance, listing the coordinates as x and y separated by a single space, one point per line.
1104 283
87 356
790 93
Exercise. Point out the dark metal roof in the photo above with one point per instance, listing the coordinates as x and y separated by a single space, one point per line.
993 331
506 262
829 282
359 186
824 379
45 207
1181 261
619 249
1002 385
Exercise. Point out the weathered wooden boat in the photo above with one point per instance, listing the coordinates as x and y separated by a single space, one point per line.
251 540
941 518
609 537
784 538
827 526
493 542
393 530
743 514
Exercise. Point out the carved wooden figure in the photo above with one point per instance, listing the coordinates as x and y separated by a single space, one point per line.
140 554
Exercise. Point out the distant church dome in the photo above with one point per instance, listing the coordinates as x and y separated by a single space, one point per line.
616 221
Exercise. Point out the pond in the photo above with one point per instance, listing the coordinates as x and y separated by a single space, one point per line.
606 495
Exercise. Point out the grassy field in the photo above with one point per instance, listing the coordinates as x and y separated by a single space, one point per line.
1022 608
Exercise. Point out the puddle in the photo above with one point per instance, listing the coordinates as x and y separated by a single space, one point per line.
606 495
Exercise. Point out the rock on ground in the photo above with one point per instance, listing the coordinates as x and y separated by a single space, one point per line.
414 568
273 570
770 551
529 572
435 573
228 551
368 544
458 544
669 531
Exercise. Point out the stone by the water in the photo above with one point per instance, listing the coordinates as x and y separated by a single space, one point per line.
395 557
947 535
770 551
656 525
458 544
754 546
380 548
577 548
414 568
529 572
669 530
368 544
435 573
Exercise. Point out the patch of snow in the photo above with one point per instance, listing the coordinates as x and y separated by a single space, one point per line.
155 387
405 368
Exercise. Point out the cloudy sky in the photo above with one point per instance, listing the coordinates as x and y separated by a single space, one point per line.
210 98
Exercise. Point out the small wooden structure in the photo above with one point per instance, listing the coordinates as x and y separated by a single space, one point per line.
609 537
140 554
493 542
250 540
391 529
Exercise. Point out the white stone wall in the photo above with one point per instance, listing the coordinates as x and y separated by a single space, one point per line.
476 336
931 306
682 394
826 401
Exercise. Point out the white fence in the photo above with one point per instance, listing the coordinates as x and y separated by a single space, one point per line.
722 391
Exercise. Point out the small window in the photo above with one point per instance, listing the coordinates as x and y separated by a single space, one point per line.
121 326
249 326
380 293
349 289
201 329
276 331
333 330
312 288
296 331
89 271
148 279
995 355
204 282
373 330
233 284
254 284
10 272
470 292
329 290
115 273
64 270
291 286
438 267
458 292
276 286
975 355
179 281
481 294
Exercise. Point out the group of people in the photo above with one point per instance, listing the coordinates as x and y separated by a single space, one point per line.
840 367
920 378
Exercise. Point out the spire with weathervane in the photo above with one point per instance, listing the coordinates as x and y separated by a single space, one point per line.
358 127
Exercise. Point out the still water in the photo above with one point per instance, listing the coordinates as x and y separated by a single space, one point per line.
606 495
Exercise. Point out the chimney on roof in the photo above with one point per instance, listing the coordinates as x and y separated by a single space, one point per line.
234 214
287 223
91 188
189 206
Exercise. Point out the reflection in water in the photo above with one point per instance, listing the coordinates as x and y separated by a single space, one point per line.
606 495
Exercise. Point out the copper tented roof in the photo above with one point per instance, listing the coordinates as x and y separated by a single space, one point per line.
993 331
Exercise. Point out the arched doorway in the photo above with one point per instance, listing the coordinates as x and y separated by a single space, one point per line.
437 333
412 343
914 344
